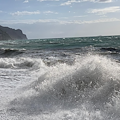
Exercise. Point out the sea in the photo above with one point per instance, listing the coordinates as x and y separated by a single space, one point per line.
60 79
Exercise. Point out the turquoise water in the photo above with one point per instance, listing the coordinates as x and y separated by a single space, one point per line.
63 43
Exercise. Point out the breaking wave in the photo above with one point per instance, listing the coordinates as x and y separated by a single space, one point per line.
90 88
23 63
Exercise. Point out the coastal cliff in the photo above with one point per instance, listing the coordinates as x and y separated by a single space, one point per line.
7 33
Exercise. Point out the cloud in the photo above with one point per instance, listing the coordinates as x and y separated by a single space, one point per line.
51 29
69 2
25 13
47 0
50 12
1 11
26 1
32 13
56 21
80 16
102 20
105 10
104 1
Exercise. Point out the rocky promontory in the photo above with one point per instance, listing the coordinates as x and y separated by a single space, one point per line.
7 33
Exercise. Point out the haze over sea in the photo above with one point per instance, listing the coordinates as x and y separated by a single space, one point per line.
60 79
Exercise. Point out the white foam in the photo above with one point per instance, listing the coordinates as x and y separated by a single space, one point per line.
86 90
20 63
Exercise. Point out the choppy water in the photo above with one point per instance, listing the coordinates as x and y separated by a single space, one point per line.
60 79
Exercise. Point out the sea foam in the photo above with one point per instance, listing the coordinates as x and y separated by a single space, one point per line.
88 89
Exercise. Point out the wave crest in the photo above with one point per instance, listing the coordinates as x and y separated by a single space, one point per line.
92 81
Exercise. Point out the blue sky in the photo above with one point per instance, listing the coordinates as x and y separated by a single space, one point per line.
61 18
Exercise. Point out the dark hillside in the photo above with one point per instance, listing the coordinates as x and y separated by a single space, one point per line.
7 33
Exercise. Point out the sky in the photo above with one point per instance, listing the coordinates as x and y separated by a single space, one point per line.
61 18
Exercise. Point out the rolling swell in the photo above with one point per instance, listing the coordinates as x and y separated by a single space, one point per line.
10 52
110 49
92 83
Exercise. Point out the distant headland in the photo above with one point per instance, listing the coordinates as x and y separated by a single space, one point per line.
7 33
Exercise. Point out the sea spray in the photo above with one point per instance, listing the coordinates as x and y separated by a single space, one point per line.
93 81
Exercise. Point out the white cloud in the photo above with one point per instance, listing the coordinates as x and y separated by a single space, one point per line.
1 11
47 0
101 20
25 13
26 1
53 30
50 12
105 10
104 1
69 2
59 21
80 16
